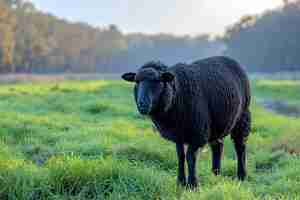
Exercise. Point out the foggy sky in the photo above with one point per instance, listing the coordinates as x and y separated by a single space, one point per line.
169 16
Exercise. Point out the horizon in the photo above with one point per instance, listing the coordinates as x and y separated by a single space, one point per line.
178 20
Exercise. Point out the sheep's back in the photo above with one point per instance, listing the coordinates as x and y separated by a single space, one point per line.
222 87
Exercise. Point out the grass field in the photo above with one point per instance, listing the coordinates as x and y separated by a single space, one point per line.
85 140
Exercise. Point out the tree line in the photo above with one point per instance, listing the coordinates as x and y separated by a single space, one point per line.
32 41
268 42
36 42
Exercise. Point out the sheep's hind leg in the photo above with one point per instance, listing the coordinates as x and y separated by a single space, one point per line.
217 151
191 157
181 179
239 136
240 148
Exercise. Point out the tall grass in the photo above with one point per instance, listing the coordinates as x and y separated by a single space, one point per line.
85 140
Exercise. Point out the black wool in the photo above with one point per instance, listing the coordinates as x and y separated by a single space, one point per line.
206 101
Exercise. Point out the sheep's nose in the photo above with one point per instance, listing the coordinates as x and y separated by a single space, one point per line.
143 107
142 104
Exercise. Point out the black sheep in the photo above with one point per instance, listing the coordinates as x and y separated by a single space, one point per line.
195 104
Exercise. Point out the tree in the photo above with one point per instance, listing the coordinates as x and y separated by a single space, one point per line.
35 42
269 42
7 39
12 3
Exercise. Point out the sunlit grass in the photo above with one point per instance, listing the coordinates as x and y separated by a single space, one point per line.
85 140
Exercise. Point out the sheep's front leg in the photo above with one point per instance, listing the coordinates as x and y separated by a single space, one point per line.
181 164
191 157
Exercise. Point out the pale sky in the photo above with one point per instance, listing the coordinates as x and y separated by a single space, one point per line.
152 16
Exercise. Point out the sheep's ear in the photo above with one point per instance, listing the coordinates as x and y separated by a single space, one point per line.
129 77
167 77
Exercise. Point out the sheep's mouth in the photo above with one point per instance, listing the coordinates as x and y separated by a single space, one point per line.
144 111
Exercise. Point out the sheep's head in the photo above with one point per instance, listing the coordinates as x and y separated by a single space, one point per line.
152 89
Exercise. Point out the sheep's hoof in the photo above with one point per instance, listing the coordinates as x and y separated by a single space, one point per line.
241 175
181 181
192 184
216 172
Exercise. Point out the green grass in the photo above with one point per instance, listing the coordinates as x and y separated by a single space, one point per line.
85 140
